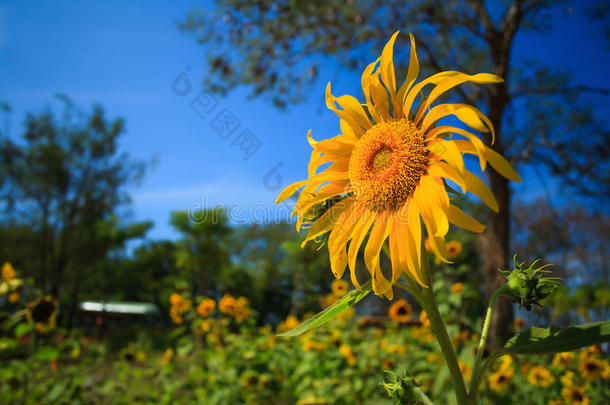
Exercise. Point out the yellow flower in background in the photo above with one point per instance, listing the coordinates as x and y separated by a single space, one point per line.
506 363
249 379
423 318
13 297
575 395
347 352
591 368
241 310
339 288
8 272
453 248
390 162
205 307
500 380
289 323
466 370
227 304
555 402
562 360
43 313
457 288
167 356
396 349
540 376
401 311
567 378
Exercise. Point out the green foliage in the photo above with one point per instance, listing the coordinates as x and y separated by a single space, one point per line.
555 340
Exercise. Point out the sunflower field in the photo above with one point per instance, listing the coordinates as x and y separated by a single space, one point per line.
215 353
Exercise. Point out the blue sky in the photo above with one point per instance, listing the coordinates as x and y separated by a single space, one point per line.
126 55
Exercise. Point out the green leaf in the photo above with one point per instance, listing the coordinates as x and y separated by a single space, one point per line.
22 329
329 313
555 340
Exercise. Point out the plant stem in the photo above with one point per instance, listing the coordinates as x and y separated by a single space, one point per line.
476 373
422 396
438 327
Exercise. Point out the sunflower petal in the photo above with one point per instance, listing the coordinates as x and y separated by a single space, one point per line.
446 84
380 99
387 66
413 92
496 160
460 218
468 114
448 151
477 187
412 74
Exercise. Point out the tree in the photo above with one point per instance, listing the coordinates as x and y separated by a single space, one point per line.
277 48
61 182
202 254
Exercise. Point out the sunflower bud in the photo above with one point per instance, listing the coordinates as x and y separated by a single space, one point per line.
528 286
401 389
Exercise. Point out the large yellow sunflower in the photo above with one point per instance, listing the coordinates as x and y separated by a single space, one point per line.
390 164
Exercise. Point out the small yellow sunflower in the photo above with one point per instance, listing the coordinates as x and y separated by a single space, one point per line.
540 376
8 272
168 355
591 368
205 307
453 248
457 288
401 311
466 370
562 360
389 167
13 297
241 310
227 304
287 324
339 288
43 313
423 319
575 395
500 380
347 352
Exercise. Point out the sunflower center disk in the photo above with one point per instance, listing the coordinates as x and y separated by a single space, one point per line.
387 163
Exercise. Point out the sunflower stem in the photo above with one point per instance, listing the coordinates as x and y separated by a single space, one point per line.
476 373
440 331
422 396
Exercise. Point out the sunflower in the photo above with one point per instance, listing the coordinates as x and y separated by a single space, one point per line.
401 311
540 376
591 369
167 356
388 170
500 380
562 360
453 248
13 297
466 370
423 318
227 304
575 395
8 272
205 307
241 310
43 313
287 324
347 352
339 288
457 288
